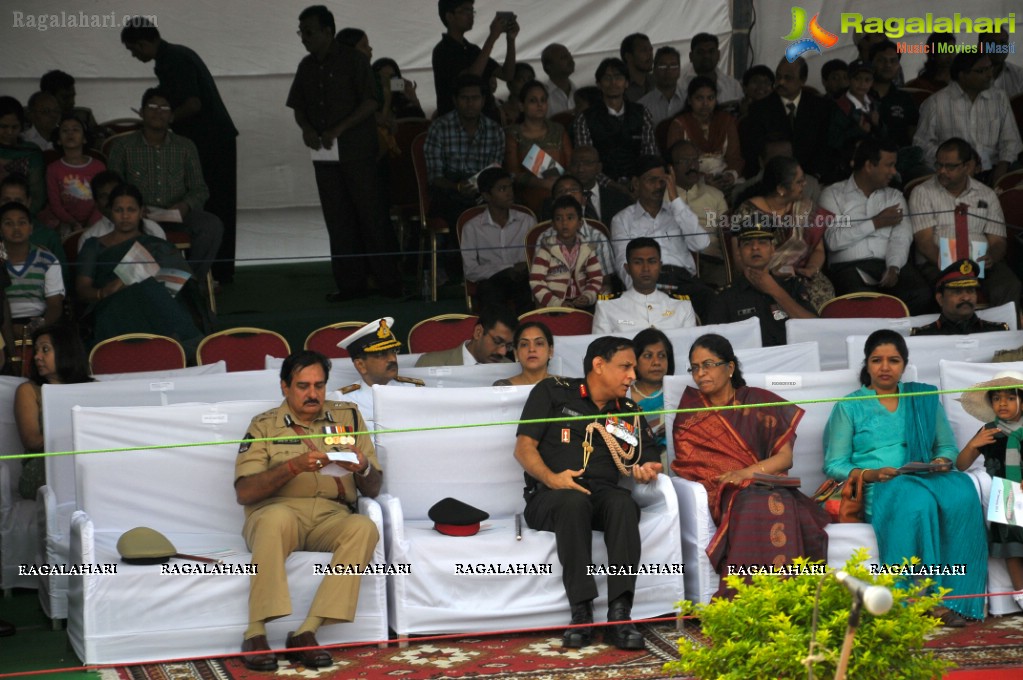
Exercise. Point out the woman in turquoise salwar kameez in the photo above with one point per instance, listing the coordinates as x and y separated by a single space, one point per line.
933 516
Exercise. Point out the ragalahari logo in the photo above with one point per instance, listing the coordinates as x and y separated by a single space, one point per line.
819 39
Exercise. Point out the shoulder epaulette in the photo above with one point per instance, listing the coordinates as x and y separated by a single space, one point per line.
680 296
411 381
609 296
351 388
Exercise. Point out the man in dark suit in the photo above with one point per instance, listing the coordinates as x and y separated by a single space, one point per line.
787 109
491 339
601 202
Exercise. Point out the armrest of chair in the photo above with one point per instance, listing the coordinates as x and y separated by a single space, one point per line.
371 509
981 480
82 533
6 488
394 522
653 495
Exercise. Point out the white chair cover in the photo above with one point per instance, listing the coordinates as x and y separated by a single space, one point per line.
208 369
18 524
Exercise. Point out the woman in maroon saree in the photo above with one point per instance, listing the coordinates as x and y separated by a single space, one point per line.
722 450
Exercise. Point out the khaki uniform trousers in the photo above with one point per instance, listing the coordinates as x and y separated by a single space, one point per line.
274 531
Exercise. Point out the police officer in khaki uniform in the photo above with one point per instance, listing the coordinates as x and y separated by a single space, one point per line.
291 503
957 296
374 352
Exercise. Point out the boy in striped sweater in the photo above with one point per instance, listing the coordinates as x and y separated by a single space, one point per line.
565 271
36 294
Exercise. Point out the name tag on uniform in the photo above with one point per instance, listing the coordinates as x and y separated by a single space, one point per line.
746 311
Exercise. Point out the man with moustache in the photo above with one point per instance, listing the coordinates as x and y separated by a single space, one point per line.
290 505
374 352
957 296
707 202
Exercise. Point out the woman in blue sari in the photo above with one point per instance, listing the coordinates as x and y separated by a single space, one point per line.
933 516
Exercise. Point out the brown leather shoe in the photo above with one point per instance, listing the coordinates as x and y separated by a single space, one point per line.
258 662
310 658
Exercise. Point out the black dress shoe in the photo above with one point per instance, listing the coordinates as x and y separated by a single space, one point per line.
574 638
258 662
7 628
310 658
622 635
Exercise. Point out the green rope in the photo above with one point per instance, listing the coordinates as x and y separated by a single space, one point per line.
535 421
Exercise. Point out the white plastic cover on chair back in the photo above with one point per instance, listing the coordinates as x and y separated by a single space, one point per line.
928 350
58 400
170 374
18 529
186 493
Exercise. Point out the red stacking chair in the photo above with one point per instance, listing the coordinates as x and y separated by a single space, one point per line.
134 352
562 320
324 340
242 349
440 332
864 305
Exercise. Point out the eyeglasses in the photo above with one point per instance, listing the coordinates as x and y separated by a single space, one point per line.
705 366
499 341
667 67
947 166
158 107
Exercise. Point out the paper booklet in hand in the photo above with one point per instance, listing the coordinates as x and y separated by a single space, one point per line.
920 468
138 264
541 163
339 457
1005 504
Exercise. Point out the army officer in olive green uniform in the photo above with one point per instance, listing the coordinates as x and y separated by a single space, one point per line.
291 503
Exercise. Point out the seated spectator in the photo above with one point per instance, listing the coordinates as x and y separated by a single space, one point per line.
856 115
937 69
68 179
558 64
665 100
933 204
569 185
537 130
998 441
1006 77
722 449
143 307
755 291
801 116
493 245
757 84
637 53
491 339
59 359
534 347
454 55
799 223
642 305
934 517
835 77
15 188
704 56
36 294
62 86
957 297
655 358
565 271
712 131
586 97
401 103
660 214
871 252
899 112
511 108
43 115
21 157
102 185
775 144
458 146
619 129
602 199
706 201
165 167
971 109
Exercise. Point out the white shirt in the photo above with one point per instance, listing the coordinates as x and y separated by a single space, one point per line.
488 248
986 123
467 358
633 311
676 229
859 240
104 226
1010 80
557 100
32 135
729 89
985 212
661 108
363 398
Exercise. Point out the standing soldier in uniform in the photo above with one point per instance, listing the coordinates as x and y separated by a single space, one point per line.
290 505
572 473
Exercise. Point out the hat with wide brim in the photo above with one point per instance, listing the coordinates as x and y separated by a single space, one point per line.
977 403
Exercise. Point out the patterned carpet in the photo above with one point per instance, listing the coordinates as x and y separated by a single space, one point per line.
995 643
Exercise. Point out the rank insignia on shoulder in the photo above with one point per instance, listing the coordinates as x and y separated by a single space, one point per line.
609 296
680 296
560 381
351 388
410 381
